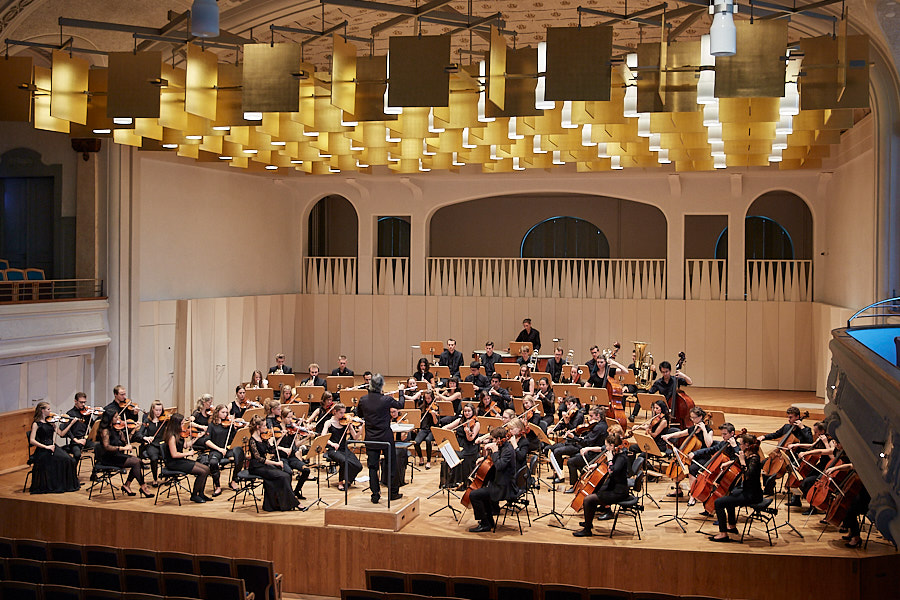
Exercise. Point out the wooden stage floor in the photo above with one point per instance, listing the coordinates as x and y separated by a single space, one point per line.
320 559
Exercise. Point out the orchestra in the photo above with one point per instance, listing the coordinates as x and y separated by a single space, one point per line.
725 469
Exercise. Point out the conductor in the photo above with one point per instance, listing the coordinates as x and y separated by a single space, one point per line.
375 410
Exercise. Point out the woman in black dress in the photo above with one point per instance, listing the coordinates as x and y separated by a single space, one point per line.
613 488
525 378
337 446
467 429
54 469
151 436
218 437
276 482
424 400
750 492
290 450
178 458
111 451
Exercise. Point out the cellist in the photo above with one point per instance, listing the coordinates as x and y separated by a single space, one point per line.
702 456
699 430
816 454
800 431
858 506
591 434
486 500
667 385
750 492
614 487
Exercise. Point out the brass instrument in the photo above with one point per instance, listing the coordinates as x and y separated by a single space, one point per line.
643 362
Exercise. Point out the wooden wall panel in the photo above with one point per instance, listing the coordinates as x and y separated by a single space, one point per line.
786 346
203 367
753 327
321 306
735 344
803 361
222 377
675 334
713 351
265 353
770 348
381 334
694 339
336 310
612 331
363 322
275 324
13 446
468 329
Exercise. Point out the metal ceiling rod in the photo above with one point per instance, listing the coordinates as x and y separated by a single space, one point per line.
477 23
11 42
687 22
455 17
103 25
175 19
786 11
635 17
182 41
302 31
323 33
420 11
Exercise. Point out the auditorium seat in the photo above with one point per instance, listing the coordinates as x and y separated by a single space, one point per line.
101 577
389 582
559 591
136 558
35 275
65 552
18 590
104 556
428 584
361 595
64 573
25 570
143 582
259 577
214 566
61 592
136 596
517 590
223 588
176 562
6 547
33 549
95 594
654 596
181 584
607 594
472 588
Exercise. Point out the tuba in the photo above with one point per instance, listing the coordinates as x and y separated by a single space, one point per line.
643 362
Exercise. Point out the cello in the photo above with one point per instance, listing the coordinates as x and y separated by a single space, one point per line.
676 468
478 479
821 493
841 502
681 403
590 480
776 463
708 480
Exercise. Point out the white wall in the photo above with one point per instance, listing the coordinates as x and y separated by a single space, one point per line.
213 232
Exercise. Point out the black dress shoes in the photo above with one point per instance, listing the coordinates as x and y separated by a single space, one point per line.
605 516
197 499
396 496
480 528
583 533
375 499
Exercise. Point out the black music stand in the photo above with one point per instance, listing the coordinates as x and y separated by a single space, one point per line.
676 517
787 522
558 473
449 449
317 449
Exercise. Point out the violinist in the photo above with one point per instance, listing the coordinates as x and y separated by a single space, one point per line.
219 435
423 371
667 385
203 411
655 427
83 418
280 368
614 487
489 358
516 428
151 437
54 470
555 365
240 404
750 492
425 402
318 417
467 429
486 407
481 382
272 414
794 426
290 451
699 430
486 500
112 448
498 394
257 381
858 506
532 416
287 394
338 427
122 405
313 378
178 453
276 483
583 447
544 395
816 454
605 368
728 445
571 415
525 378
451 393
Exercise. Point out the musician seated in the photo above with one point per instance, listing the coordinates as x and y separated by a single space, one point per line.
505 417
338 427
83 418
425 402
604 368
401 454
516 428
423 371
217 441
202 412
239 405
289 449
699 430
571 415
257 381
498 394
451 394
636 370
587 442
524 356
341 370
750 492
287 394
546 397
704 455
794 426
667 385
524 377
502 486
272 414
613 488
489 358
533 417
467 428
317 418
655 427
313 379
115 449
121 405
481 382
859 505
280 368
816 454
451 357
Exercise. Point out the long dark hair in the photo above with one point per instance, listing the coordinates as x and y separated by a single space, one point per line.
422 361
173 427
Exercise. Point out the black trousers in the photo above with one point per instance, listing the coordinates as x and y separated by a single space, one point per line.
348 465
597 499
373 458
726 506
215 459
859 506
577 464
154 453
291 464
562 450
483 507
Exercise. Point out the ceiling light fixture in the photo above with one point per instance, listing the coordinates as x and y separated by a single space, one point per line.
205 18
722 32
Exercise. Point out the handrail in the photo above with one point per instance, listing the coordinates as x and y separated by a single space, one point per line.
35 290
858 314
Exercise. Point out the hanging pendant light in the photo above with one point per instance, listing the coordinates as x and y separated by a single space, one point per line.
205 18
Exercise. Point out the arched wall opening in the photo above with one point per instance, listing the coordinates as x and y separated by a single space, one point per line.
495 226
332 228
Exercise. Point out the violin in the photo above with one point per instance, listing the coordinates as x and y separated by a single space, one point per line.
351 420
582 429
129 423
247 404
87 410
272 432
232 422
188 430
127 403
54 418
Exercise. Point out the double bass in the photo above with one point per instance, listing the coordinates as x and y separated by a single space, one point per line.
616 393
681 403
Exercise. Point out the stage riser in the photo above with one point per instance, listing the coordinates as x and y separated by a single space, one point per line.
321 560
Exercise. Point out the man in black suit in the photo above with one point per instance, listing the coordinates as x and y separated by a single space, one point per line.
489 358
486 500
313 378
375 410
477 379
451 357
529 334
280 368
555 365
342 370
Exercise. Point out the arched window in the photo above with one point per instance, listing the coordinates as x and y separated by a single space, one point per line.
332 228
393 237
564 237
764 239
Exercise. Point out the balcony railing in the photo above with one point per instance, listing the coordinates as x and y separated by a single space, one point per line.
50 289
330 275
705 279
390 276
779 280
547 277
